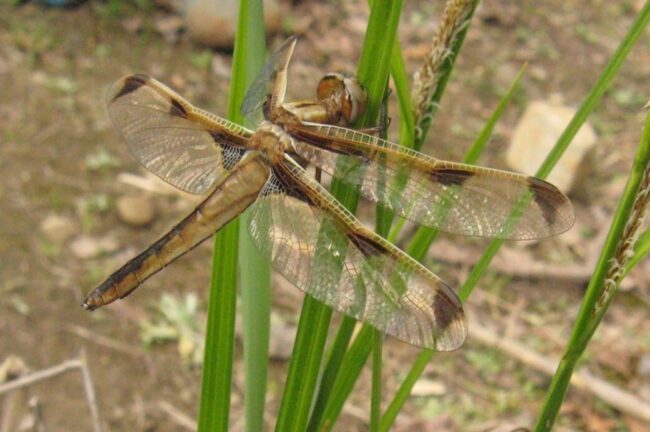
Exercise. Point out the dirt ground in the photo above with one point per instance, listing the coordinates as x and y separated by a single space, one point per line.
60 158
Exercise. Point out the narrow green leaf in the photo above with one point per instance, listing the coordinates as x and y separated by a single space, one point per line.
220 329
405 390
344 333
220 332
373 71
384 218
587 106
590 315
375 396
424 236
594 96
422 240
304 366
403 91
254 269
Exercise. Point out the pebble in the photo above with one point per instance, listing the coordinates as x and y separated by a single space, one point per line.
214 23
426 387
86 247
137 211
58 229
535 135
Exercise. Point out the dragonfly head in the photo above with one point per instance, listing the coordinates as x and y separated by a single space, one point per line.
347 91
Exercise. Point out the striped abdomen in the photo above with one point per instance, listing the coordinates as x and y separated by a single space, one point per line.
230 197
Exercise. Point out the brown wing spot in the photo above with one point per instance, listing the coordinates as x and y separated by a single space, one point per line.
131 84
177 109
545 195
450 176
366 245
445 311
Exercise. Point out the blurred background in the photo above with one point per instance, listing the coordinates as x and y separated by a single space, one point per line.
74 206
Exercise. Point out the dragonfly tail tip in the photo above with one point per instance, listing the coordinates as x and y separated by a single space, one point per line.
87 306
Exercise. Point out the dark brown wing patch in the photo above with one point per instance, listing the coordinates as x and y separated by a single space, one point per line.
177 109
539 189
450 176
366 245
133 83
445 310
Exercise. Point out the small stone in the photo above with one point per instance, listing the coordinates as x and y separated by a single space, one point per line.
425 387
86 247
535 135
12 367
214 23
58 229
136 211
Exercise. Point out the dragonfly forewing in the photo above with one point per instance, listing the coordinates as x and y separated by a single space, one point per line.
453 197
228 199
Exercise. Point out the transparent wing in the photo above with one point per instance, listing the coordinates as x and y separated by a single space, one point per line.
325 251
453 197
271 82
183 145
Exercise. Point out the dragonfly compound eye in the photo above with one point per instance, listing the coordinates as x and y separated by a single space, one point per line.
351 96
354 103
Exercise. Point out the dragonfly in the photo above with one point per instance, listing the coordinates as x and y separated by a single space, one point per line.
306 234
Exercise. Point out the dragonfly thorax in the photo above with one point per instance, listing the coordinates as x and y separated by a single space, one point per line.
272 140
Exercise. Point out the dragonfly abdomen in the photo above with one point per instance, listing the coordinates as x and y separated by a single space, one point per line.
225 202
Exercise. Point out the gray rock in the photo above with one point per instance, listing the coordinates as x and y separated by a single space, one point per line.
537 131
213 23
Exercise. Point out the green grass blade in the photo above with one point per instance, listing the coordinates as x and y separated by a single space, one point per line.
424 236
591 312
407 129
405 390
373 70
594 96
420 244
220 332
403 91
375 396
383 222
220 329
304 366
254 269
344 333
352 363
